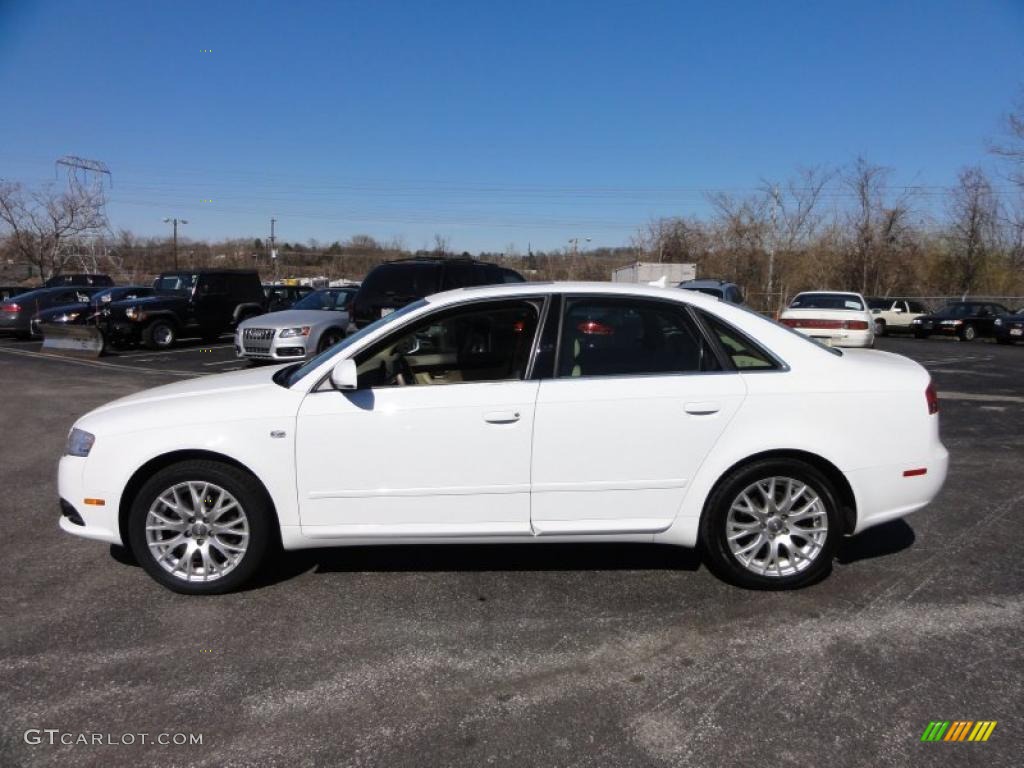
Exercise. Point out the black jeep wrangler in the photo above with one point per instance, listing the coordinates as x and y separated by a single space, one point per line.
204 303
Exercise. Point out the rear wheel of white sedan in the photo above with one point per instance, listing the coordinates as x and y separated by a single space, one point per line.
773 524
200 527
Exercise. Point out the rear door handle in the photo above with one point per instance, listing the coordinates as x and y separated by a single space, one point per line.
703 409
501 417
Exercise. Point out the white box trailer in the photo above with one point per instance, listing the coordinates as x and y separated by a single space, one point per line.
652 271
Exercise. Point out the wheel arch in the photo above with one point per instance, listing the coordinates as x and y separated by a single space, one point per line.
847 498
157 463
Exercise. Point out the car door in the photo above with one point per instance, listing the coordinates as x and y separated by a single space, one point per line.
638 400
212 306
436 440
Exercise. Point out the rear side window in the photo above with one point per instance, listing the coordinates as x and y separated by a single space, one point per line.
745 354
624 337
466 275
400 282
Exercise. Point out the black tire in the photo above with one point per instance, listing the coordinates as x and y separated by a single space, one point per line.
251 498
329 338
713 526
159 334
968 333
880 328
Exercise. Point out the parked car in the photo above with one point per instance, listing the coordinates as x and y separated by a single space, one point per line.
83 312
313 324
10 291
713 287
501 413
894 314
838 318
280 296
79 278
204 303
393 284
1009 328
965 319
16 313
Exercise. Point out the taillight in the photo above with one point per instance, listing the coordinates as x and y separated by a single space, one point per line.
845 325
855 325
12 308
932 398
594 328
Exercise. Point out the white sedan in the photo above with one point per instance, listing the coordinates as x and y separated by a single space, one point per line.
837 318
571 412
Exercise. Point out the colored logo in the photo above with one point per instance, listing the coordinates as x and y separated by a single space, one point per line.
958 730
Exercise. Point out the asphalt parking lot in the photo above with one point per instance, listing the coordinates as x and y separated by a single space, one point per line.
501 655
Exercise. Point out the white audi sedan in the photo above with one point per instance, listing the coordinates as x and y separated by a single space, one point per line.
837 318
571 412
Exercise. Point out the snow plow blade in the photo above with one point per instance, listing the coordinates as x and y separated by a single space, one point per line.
73 340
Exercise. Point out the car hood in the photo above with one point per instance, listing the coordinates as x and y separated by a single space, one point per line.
203 386
157 298
289 318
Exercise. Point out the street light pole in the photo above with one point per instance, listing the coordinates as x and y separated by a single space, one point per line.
575 241
175 222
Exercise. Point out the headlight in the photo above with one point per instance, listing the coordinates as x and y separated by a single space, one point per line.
68 317
135 313
999 321
290 333
79 442
916 321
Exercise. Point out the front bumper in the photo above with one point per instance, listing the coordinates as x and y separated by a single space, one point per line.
97 522
274 349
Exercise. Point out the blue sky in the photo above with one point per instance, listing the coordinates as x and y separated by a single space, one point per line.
490 123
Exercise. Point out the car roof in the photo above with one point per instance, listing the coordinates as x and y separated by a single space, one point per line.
501 290
706 282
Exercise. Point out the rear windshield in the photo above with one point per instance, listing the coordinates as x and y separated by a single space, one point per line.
827 301
400 282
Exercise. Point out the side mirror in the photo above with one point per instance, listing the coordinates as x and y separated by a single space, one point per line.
344 375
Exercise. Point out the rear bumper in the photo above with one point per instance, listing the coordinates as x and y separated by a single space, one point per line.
840 338
885 493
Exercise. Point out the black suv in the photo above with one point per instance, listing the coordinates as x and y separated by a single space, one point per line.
204 303
281 296
393 284
81 278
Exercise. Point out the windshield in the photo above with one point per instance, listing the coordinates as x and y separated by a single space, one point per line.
336 300
827 301
180 282
288 376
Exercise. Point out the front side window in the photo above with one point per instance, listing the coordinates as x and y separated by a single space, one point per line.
626 337
485 341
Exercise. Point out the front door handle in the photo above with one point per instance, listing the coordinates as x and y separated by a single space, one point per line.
501 417
703 409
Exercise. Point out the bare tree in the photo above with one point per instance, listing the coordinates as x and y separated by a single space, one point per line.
46 228
974 226
1012 148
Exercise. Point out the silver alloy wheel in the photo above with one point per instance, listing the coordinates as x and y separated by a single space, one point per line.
163 335
777 527
197 531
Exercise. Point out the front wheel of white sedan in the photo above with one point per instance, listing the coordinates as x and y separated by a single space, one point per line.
200 527
773 524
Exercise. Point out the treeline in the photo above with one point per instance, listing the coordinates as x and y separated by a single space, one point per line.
848 229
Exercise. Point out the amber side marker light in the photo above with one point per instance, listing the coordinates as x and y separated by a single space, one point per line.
95 502
915 472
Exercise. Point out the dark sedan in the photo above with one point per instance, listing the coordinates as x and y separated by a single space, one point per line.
16 313
10 291
83 311
965 319
1010 328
